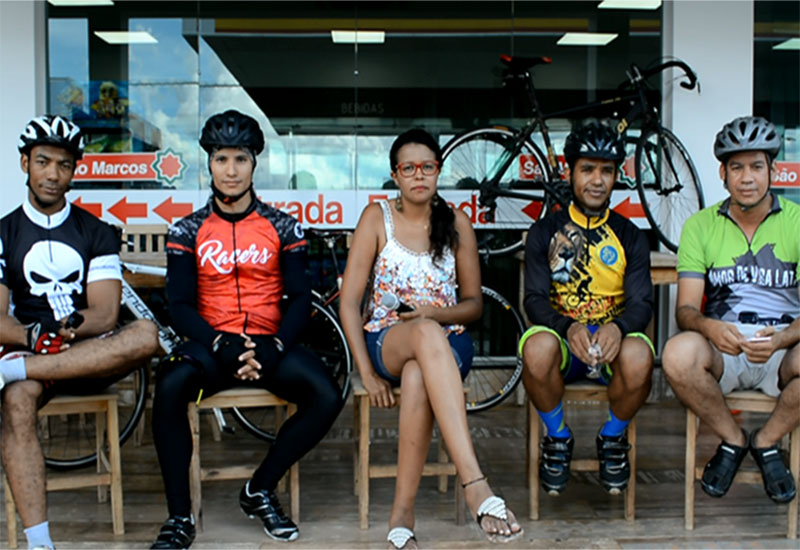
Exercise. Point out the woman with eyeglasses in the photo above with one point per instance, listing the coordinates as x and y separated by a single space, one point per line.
420 259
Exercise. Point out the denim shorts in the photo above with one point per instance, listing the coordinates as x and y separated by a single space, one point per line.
460 344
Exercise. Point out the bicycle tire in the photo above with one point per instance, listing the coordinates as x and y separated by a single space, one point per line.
496 368
468 159
323 336
667 183
69 442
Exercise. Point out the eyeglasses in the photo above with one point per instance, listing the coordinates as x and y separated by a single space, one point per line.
408 169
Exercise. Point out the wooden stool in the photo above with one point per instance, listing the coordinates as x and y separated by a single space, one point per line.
109 471
577 392
751 401
240 398
363 471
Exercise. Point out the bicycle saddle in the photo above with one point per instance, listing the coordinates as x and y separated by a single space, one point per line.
522 64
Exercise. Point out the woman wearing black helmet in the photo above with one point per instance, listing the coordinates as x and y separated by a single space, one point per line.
589 296
229 265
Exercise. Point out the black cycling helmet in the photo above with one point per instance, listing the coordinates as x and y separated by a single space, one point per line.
51 130
594 140
747 133
232 129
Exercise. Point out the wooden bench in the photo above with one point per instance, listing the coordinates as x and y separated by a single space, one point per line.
363 471
109 470
582 391
751 401
241 398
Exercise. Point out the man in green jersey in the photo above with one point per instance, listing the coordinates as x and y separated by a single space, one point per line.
741 256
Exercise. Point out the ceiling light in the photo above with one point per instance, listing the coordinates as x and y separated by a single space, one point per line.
791 44
126 37
586 38
358 37
630 4
85 3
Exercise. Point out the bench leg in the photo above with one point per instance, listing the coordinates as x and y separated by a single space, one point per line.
278 422
533 462
294 478
194 467
101 462
461 502
691 448
443 459
356 466
11 514
363 463
117 517
794 466
630 492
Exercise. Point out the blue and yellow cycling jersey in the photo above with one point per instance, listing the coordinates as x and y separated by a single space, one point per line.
590 270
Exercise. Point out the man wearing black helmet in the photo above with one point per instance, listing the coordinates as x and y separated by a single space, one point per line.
59 266
589 297
742 256
228 266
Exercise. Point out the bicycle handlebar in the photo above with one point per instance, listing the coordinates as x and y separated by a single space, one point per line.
636 74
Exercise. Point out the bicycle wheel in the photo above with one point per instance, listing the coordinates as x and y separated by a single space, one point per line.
323 336
667 182
474 156
70 441
496 369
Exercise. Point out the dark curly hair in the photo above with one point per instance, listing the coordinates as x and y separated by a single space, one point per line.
443 227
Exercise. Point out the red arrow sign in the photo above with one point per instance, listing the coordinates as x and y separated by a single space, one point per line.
629 209
95 208
123 210
533 209
169 210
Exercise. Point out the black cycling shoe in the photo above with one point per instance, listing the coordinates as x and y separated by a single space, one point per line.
778 482
721 469
265 506
554 467
615 468
177 532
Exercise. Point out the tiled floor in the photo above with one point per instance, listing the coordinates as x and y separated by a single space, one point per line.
583 517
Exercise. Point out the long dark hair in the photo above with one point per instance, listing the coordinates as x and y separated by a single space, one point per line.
443 227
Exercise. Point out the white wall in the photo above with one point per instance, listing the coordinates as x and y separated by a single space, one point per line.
22 92
715 37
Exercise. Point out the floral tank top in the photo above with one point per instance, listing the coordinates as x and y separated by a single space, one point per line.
411 277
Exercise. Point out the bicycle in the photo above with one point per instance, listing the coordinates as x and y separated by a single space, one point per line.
69 441
665 177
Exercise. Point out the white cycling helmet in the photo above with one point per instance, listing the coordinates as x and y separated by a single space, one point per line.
51 130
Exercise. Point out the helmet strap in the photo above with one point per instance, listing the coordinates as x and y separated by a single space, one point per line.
229 199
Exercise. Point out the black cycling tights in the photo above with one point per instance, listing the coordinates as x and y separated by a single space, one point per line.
300 378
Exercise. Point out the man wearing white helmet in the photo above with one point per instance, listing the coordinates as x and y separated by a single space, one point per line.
741 255
59 267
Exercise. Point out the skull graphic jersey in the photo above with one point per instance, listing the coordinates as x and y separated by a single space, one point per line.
47 261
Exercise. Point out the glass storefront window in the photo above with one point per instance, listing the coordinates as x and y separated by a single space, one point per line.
329 110
776 85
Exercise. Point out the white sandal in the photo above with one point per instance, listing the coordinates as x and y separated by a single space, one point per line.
495 507
399 537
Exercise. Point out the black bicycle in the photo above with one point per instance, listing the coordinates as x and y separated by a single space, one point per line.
504 163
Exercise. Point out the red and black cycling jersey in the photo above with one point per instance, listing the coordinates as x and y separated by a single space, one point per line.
47 261
229 272
594 270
